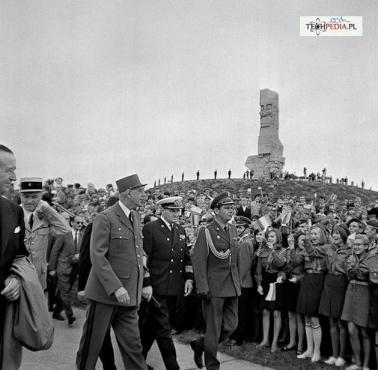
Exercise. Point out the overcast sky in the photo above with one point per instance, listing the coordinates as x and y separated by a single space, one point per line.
96 90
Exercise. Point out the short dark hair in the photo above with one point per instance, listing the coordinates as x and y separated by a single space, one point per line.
5 149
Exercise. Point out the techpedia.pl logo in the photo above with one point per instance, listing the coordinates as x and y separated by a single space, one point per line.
330 26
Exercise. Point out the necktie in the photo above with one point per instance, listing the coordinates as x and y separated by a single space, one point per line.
76 239
31 221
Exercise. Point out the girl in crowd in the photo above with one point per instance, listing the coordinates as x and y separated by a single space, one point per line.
357 300
311 289
332 299
294 272
269 271
259 244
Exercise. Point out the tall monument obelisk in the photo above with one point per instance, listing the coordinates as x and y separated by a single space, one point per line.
269 161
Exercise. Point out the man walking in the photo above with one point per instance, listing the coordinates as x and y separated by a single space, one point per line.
171 277
218 283
12 231
114 286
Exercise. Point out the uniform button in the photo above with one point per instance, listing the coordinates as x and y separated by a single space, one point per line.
167 239
170 271
180 260
180 270
172 249
138 255
137 246
119 228
171 260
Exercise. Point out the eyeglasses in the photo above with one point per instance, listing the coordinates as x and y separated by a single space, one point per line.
79 222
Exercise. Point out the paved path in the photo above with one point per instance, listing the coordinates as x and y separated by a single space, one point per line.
61 356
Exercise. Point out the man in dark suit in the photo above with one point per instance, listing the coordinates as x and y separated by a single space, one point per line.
12 232
171 276
243 209
217 279
60 264
114 286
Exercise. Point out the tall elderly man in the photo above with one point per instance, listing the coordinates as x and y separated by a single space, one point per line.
114 286
215 266
41 221
12 231
171 277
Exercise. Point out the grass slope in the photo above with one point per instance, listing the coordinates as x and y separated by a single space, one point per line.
276 188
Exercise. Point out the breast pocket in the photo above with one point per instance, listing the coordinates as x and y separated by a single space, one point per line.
120 241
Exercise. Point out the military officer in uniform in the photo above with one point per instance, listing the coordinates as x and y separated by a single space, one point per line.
41 221
171 276
217 279
114 286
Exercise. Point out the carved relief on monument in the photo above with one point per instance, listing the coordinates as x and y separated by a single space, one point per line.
269 159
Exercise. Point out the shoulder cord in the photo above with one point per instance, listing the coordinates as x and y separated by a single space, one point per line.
210 245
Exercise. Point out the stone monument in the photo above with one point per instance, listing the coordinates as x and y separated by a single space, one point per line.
269 162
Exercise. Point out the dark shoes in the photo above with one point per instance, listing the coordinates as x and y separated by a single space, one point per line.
71 320
197 347
58 316
149 367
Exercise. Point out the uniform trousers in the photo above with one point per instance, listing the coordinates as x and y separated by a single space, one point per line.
124 321
156 326
221 317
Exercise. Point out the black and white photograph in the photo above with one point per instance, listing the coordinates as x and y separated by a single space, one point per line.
188 184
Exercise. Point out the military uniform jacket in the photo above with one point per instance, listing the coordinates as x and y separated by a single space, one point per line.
168 258
37 239
116 253
218 276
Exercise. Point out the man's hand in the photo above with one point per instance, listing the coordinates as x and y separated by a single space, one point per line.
122 295
147 293
12 288
52 273
206 297
188 287
279 280
260 290
75 257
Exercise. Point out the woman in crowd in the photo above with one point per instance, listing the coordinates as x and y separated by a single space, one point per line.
259 244
269 277
357 301
332 299
372 263
294 272
311 289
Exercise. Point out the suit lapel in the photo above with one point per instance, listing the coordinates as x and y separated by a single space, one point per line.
6 224
123 219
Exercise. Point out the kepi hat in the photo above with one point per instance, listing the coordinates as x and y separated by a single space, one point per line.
30 184
129 182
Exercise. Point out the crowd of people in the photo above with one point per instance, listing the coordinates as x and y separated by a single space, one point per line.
307 267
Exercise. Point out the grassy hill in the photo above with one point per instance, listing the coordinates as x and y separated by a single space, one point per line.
273 187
